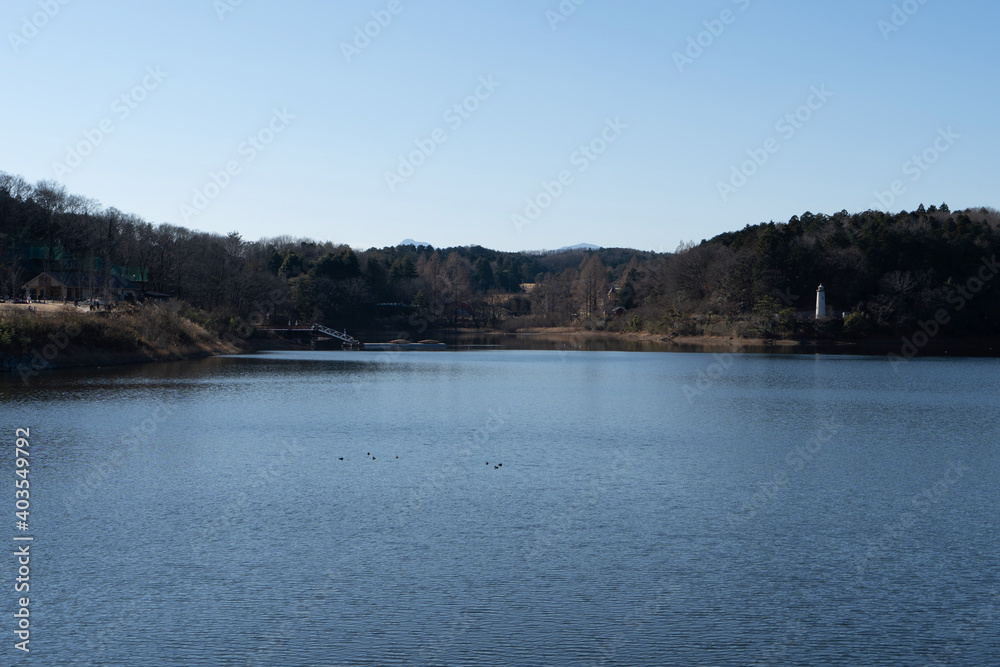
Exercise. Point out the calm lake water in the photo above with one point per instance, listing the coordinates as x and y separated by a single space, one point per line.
651 509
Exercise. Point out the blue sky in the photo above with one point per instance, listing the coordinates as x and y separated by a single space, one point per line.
636 123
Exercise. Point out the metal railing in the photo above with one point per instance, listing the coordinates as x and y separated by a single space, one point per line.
340 335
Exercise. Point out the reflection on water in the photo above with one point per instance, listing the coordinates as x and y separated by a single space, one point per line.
350 508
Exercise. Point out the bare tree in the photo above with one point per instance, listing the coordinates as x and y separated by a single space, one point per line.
15 186
593 279
899 283
52 197
458 286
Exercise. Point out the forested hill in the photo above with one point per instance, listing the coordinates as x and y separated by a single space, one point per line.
887 272
895 269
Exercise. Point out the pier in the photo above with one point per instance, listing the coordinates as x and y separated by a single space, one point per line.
318 331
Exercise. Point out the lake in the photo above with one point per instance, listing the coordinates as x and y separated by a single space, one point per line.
350 508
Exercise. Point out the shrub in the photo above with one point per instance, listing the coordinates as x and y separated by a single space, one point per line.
857 325
687 327
787 324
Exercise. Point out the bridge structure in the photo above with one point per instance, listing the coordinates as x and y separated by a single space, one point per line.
320 330
339 335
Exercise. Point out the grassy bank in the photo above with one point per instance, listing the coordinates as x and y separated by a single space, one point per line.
71 337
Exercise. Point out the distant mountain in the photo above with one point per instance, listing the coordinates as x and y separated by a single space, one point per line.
566 248
412 242
579 246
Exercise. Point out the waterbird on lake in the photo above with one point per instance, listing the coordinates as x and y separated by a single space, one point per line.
341 458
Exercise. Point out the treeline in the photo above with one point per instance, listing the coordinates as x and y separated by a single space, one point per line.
886 272
45 228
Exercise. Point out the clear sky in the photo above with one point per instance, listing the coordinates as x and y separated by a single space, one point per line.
680 109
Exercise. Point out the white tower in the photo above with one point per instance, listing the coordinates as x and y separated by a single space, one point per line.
820 302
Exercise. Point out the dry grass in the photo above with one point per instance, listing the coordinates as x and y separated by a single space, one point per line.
158 328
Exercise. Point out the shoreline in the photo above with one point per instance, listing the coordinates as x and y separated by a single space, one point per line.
881 346
61 336
32 363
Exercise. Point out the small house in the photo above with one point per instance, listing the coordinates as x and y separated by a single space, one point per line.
72 285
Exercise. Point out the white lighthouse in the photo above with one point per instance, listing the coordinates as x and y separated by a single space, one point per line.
820 302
